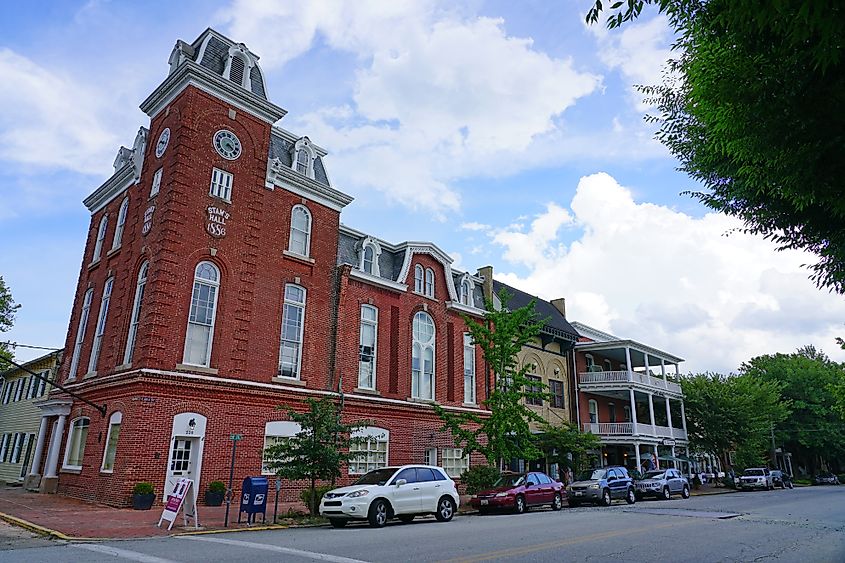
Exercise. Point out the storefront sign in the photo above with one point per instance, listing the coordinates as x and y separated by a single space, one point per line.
182 497
668 442
216 225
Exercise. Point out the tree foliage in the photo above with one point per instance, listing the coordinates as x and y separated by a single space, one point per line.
318 451
807 379
726 413
8 309
506 433
751 107
561 442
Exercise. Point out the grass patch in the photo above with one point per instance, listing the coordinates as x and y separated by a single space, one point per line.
299 518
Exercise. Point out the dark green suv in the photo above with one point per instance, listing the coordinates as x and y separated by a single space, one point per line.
601 486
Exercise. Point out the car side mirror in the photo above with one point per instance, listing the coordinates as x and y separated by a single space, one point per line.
400 482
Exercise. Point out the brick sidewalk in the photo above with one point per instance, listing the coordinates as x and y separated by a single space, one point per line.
80 519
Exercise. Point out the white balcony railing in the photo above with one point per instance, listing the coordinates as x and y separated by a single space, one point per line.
627 429
623 377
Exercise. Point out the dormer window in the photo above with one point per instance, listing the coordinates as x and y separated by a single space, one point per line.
302 161
368 253
418 278
467 296
429 282
236 70
303 157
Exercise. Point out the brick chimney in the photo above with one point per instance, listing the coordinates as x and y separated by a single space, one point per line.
487 273
560 305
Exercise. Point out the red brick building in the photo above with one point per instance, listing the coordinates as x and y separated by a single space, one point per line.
217 283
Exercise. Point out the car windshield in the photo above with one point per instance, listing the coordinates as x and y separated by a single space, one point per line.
376 476
592 475
654 475
509 481
754 472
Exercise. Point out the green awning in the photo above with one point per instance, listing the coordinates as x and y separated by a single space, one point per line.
670 458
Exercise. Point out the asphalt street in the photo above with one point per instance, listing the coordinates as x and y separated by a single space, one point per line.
805 524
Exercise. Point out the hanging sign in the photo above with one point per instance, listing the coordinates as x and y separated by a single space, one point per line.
182 497
217 217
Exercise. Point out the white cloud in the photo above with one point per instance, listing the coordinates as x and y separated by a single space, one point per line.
474 226
437 95
650 273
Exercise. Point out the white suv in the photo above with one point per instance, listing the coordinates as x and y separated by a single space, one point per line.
401 492
756 478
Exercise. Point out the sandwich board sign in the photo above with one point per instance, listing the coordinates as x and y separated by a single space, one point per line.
182 497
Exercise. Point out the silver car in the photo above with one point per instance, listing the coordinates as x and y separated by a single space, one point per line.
662 484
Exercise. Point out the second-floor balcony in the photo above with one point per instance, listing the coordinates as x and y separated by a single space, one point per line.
626 429
626 378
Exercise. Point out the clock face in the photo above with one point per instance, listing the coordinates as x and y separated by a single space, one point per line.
227 144
163 139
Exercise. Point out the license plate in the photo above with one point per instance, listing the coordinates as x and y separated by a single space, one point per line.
578 493
484 501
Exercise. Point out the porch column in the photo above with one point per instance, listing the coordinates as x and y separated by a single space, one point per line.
669 418
651 412
647 370
637 453
656 457
628 362
39 447
674 463
684 419
51 469
663 372
633 412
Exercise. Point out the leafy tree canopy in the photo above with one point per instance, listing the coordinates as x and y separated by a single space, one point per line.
559 441
8 309
751 107
506 432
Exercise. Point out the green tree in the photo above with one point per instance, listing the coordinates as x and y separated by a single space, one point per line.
566 446
8 309
318 451
506 432
807 378
751 108
735 412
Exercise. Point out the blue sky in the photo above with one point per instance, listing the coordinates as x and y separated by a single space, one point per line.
509 135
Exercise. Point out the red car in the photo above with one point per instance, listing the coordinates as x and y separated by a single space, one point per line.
519 491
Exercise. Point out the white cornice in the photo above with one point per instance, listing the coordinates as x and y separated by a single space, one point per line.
290 137
190 73
431 249
458 306
111 188
375 280
280 175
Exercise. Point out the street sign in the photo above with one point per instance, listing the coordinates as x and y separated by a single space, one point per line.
236 437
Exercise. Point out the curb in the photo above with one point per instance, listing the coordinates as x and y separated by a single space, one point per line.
233 530
40 530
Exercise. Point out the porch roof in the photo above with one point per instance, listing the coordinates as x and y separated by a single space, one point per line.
615 350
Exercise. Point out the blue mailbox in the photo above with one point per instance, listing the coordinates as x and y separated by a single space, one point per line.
254 498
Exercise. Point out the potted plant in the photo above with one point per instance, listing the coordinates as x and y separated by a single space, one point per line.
143 496
215 493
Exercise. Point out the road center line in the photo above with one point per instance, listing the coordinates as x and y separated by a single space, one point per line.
122 553
277 549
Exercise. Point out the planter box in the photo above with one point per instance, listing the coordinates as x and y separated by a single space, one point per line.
143 502
214 498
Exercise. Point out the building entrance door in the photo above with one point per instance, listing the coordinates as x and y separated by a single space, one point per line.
186 445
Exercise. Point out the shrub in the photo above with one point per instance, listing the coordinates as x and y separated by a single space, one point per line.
217 487
143 488
696 482
728 482
305 494
479 477
842 477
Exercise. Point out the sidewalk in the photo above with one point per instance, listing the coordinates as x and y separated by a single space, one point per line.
76 519
710 489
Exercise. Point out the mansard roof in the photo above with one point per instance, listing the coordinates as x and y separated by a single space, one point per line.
554 321
213 50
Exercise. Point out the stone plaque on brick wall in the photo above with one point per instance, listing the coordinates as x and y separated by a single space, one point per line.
216 224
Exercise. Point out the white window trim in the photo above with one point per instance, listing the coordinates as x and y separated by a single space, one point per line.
156 185
19 390
373 244
429 290
140 288
219 187
17 446
216 284
372 433
121 223
591 403
448 454
469 350
71 430
80 333
419 279
423 347
100 330
4 446
301 331
101 236
466 281
374 324
307 233
303 144
115 419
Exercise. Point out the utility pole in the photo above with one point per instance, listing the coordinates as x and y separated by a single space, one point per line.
235 438
774 449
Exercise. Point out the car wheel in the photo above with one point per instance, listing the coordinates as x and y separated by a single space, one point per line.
666 494
557 503
630 498
519 504
338 523
685 492
605 498
406 518
377 517
445 509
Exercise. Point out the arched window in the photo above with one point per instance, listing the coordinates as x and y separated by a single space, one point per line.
200 333
608 366
422 361
588 359
76 438
300 231
237 70
302 161
101 235
101 325
293 323
136 313
369 259
367 347
121 221
80 333
418 278
627 410
466 293
429 282
111 442
594 410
